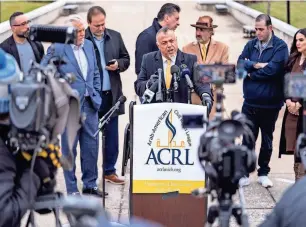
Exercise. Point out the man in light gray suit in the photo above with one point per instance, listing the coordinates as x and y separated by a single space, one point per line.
81 61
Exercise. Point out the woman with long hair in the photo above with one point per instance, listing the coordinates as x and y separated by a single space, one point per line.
292 122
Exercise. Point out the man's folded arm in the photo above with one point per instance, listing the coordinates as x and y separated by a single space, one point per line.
273 68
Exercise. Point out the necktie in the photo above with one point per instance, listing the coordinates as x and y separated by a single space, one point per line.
168 74
203 52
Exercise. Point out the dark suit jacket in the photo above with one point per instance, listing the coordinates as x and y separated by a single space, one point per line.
146 43
9 46
114 48
152 61
92 82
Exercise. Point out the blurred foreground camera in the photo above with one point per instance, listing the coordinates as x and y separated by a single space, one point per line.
223 159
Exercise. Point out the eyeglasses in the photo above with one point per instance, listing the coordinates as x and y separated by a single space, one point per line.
22 24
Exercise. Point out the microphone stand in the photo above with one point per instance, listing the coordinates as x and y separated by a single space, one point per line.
189 95
105 120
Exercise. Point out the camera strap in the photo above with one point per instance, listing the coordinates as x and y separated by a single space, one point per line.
68 115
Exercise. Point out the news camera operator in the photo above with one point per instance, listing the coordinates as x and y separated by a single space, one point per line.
18 187
163 60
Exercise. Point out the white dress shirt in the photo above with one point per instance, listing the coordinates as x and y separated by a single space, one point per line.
82 60
165 63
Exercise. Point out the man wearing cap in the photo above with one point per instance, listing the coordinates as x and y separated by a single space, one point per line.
207 50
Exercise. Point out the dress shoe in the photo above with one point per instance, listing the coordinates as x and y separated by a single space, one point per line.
95 191
114 179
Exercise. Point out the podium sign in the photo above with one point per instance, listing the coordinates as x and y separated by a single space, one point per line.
165 155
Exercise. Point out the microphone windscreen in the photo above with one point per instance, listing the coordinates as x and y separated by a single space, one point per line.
175 69
184 70
53 34
122 99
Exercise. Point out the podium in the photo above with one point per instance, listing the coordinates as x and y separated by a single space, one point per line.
165 167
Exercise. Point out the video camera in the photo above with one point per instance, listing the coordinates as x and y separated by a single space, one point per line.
42 102
224 161
295 87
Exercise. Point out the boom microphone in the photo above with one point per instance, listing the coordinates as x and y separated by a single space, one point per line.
53 34
120 101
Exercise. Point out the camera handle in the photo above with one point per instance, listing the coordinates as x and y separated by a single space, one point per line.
301 140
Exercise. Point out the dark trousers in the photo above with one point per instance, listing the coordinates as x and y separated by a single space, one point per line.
111 135
263 119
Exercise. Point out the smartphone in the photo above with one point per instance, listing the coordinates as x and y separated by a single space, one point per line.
110 62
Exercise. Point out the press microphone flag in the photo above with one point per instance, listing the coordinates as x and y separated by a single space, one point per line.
185 72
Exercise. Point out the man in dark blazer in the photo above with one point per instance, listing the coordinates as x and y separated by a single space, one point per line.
169 55
109 46
19 45
81 62
168 15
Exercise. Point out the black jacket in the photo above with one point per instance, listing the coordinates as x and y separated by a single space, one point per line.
9 46
150 64
114 48
16 191
146 43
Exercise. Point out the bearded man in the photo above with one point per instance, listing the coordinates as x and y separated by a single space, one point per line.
19 45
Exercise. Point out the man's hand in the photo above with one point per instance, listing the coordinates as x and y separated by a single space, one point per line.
260 65
112 67
207 101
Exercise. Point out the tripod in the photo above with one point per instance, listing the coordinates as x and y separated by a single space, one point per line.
103 122
226 209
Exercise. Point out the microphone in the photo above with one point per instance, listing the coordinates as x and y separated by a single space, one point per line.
159 95
120 101
53 34
186 72
149 93
175 70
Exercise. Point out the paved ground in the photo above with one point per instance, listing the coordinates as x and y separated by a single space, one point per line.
130 18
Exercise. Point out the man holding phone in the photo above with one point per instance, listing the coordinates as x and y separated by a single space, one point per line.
112 58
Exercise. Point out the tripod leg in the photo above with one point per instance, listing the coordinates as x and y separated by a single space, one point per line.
213 213
241 218
31 219
103 168
57 220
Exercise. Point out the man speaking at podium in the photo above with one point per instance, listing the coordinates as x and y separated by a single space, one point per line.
169 61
